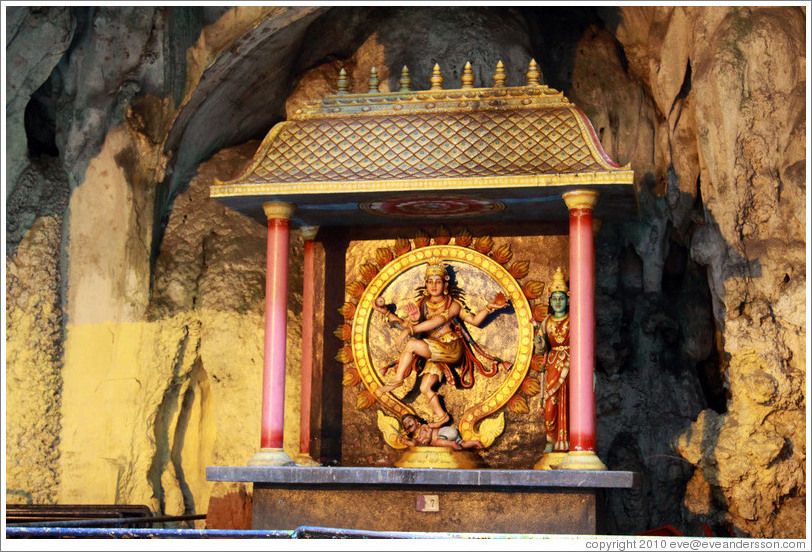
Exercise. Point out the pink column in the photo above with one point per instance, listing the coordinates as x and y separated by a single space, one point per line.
309 235
271 452
582 333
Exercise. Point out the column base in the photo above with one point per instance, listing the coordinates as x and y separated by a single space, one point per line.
270 457
550 460
305 461
581 460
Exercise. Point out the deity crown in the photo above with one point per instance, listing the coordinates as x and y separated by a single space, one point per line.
436 268
559 283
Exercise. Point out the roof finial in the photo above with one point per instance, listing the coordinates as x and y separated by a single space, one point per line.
467 76
343 85
533 74
405 80
500 76
373 81
436 78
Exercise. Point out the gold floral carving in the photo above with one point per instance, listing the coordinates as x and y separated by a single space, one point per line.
389 428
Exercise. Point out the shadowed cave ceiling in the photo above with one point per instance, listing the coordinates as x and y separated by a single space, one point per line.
242 94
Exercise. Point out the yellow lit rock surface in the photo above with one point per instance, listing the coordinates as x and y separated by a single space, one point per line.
32 349
181 388
173 375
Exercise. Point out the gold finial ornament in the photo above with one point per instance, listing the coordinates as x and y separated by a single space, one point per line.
343 83
373 81
467 76
436 78
500 76
559 283
405 80
533 74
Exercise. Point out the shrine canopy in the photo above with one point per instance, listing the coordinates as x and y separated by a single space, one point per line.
500 153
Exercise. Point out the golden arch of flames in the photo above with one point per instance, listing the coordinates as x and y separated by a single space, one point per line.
485 270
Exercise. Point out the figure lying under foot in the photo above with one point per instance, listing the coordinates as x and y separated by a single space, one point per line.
419 433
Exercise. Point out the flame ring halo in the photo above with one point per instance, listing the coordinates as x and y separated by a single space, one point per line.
510 287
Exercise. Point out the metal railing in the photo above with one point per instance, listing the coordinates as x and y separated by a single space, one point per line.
117 521
303 532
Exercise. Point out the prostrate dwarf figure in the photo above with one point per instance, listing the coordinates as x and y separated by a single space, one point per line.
553 340
437 340
418 432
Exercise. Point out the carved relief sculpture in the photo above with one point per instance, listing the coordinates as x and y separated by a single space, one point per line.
441 333
439 347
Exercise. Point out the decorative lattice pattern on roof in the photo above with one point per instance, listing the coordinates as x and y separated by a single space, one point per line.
408 146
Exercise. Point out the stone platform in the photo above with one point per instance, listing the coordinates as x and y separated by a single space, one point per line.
439 500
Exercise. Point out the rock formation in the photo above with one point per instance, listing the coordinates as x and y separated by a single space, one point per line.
134 302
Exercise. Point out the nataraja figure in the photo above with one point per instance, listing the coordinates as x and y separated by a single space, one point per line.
437 340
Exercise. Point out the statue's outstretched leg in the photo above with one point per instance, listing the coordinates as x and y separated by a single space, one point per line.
413 347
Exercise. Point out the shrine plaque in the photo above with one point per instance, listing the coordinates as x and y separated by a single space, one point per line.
428 503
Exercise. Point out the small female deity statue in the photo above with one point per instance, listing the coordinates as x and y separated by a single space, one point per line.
436 339
553 340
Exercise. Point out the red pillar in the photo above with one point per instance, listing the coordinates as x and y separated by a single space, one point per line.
582 454
309 235
271 452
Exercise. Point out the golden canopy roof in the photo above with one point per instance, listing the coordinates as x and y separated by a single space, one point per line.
444 153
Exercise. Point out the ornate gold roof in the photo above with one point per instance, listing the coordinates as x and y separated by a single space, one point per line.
428 141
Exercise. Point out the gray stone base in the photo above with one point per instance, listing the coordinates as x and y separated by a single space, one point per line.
425 500
395 509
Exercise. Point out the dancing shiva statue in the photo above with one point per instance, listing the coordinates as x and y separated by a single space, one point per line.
437 344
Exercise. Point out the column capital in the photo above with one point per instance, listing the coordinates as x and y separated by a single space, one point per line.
580 199
278 209
309 232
